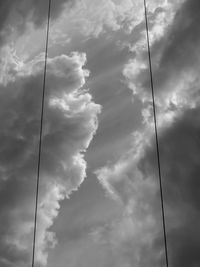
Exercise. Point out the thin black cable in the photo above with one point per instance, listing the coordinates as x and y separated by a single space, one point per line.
40 135
156 136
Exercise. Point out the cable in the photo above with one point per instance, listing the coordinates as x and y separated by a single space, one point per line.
41 130
40 136
156 135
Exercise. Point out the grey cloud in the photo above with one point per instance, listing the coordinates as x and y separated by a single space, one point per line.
70 122
174 54
16 13
178 48
179 150
133 234
183 36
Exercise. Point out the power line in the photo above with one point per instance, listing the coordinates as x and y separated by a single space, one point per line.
40 135
41 130
156 136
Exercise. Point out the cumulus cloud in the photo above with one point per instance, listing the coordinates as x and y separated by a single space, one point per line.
136 71
70 121
133 179
175 61
174 51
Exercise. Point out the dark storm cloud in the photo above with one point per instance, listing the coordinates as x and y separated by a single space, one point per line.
178 48
180 153
183 37
16 13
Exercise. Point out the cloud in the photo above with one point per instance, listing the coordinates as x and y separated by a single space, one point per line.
180 49
175 62
136 71
69 18
132 234
133 179
95 17
92 18
15 15
70 121
179 150
174 53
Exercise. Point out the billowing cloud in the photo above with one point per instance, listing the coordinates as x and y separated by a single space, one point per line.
174 50
133 179
174 60
70 121
136 71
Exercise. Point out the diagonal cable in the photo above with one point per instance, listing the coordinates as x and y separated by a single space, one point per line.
156 136
40 136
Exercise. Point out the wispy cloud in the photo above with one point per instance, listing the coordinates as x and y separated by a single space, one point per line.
15 15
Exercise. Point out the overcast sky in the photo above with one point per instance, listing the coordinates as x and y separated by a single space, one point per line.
99 199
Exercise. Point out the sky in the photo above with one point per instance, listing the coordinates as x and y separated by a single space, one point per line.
99 197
